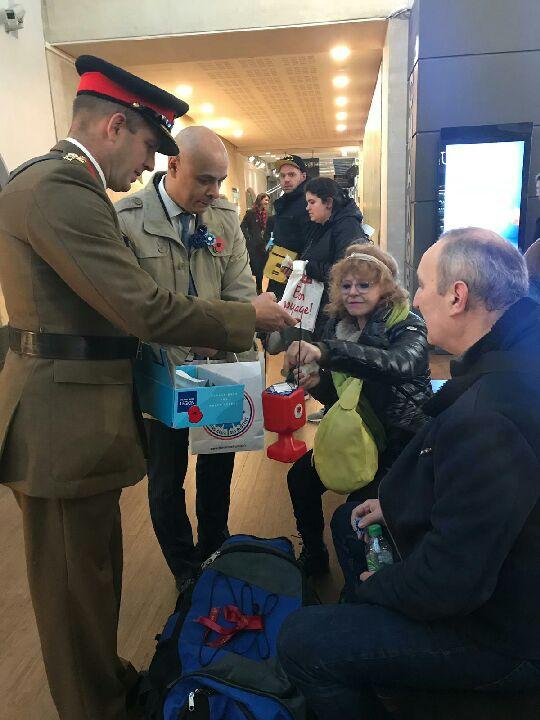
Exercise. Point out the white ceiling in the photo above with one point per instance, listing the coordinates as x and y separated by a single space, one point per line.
274 85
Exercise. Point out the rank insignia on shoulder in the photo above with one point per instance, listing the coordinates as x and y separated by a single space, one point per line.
426 451
70 157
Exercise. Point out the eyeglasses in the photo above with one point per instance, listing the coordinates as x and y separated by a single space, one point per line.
360 287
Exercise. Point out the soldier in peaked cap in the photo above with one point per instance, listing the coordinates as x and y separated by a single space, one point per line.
77 301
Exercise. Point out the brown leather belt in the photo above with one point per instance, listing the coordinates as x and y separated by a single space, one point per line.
52 346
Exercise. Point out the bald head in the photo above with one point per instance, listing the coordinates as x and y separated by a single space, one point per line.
194 177
199 142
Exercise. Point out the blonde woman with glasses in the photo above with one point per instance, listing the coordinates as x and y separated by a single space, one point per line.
372 335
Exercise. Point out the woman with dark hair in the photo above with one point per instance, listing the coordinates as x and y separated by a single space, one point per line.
253 226
372 335
340 224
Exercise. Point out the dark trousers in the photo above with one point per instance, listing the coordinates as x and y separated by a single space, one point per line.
258 281
337 654
306 490
167 466
350 550
73 554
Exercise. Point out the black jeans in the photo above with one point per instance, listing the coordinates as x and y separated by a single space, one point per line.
350 550
337 654
258 281
306 490
167 466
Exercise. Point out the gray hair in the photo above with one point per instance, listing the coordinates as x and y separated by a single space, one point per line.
493 270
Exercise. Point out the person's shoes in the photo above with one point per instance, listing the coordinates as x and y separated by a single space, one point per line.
316 417
314 562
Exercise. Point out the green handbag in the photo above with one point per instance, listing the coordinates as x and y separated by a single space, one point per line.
350 437
345 452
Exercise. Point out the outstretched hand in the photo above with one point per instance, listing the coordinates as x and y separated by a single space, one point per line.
270 316
301 352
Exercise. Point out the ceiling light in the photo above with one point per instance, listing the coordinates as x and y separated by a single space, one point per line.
341 101
341 115
207 108
251 158
341 127
183 91
340 53
340 81
238 133
217 123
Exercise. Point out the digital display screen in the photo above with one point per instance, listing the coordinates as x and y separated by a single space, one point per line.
483 187
481 179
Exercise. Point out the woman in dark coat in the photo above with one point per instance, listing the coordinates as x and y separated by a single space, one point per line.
391 357
253 226
338 224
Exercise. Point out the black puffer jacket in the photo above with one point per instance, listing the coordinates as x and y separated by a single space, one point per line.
329 242
292 226
394 365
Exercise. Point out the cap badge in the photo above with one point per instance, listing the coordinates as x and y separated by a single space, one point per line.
70 157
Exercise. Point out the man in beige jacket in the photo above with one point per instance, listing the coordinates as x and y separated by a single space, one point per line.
165 225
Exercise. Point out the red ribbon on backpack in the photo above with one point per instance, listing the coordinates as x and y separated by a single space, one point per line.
232 614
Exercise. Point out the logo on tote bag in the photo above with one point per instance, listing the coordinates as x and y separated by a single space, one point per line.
233 431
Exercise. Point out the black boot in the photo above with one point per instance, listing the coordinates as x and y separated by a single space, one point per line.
314 559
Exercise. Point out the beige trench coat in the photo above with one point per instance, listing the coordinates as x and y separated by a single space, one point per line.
159 249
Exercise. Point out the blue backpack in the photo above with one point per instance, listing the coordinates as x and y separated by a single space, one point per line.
216 658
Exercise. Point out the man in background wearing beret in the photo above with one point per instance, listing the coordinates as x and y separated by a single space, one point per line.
77 301
163 224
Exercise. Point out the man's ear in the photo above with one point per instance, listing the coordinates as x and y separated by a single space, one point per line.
304 176
173 165
459 297
115 124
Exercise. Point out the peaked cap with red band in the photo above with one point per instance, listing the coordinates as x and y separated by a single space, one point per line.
109 82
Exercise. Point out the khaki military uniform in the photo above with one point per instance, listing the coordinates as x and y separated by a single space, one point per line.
158 243
68 434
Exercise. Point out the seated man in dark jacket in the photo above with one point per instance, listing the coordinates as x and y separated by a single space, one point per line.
458 609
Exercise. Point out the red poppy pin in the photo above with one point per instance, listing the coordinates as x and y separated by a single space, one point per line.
194 414
218 244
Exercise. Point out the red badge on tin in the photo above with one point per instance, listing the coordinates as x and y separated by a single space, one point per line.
194 414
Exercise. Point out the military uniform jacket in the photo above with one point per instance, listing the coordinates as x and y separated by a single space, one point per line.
162 252
68 428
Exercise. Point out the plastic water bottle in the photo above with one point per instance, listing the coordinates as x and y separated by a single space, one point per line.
378 550
270 243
